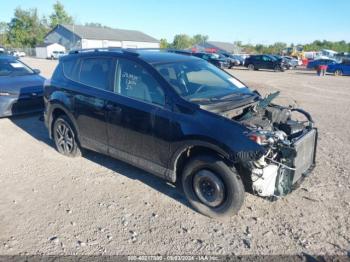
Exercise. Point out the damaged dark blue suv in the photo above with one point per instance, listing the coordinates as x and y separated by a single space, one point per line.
180 118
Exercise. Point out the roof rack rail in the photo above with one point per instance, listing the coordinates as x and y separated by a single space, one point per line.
104 49
130 51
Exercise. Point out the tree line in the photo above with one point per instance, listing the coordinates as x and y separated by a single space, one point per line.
27 29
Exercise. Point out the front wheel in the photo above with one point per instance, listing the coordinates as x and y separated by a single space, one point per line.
338 73
65 137
212 187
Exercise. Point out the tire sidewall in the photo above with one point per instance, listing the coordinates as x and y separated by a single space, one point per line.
338 73
76 148
234 190
251 67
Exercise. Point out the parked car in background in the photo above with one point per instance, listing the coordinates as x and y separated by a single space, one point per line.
285 62
256 62
57 54
232 60
314 64
22 54
21 88
18 53
292 61
339 69
214 59
182 119
239 58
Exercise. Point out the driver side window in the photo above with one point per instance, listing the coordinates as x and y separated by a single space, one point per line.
132 80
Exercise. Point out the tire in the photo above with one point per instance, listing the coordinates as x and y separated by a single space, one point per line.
65 137
338 73
203 170
251 67
278 69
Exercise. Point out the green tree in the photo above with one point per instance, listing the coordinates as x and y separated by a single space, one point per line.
59 15
3 33
92 24
182 41
164 43
25 28
199 39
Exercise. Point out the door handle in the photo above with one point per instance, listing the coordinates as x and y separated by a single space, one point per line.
109 107
113 108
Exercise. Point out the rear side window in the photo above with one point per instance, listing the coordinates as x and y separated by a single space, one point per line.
95 72
70 70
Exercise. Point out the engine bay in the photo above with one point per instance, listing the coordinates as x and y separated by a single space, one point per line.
289 138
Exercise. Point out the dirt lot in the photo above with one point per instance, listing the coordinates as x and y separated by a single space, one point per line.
50 204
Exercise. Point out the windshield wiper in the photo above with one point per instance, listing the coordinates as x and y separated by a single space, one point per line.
202 99
229 96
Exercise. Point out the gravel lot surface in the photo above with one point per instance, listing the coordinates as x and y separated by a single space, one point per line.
50 204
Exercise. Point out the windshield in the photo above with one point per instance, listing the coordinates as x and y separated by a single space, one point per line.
14 68
201 81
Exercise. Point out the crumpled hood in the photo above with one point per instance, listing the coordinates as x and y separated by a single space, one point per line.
22 84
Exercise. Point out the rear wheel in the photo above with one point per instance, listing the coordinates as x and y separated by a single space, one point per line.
338 73
212 187
251 67
65 137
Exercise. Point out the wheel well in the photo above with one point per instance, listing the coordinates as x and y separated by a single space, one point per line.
55 114
191 152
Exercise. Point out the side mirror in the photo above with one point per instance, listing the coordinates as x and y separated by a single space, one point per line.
36 71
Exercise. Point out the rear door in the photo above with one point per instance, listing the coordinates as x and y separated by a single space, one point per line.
138 118
94 88
267 62
257 61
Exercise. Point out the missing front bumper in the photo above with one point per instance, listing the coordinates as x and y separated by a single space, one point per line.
302 157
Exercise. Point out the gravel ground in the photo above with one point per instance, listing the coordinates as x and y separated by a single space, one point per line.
50 204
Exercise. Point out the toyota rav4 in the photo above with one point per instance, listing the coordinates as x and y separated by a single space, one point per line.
183 119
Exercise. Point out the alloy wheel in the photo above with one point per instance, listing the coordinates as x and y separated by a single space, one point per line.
64 138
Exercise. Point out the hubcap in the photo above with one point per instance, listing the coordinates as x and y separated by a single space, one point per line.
209 188
64 138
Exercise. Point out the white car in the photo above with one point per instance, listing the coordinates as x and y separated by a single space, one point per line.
18 53
57 54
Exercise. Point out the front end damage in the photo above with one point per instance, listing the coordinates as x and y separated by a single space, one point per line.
289 138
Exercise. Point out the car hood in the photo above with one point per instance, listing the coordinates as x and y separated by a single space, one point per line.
22 84
242 100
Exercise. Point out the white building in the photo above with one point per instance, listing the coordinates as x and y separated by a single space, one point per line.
77 37
46 50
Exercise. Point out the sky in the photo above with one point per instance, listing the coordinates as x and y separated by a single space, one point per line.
249 21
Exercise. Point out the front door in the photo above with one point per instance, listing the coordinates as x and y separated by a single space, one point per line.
138 120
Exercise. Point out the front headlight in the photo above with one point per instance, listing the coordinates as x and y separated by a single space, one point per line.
4 94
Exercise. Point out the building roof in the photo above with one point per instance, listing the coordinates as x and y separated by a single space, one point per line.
224 46
229 47
102 33
44 45
47 44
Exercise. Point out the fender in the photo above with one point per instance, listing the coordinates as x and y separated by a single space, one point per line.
185 145
57 104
